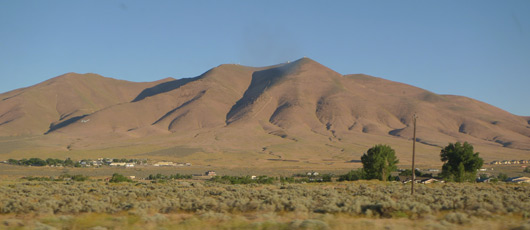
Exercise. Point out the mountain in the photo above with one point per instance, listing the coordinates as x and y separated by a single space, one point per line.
298 111
62 100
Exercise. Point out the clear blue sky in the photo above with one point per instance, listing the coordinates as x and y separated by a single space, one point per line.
479 49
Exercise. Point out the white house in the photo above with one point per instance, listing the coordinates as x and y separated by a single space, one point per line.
210 173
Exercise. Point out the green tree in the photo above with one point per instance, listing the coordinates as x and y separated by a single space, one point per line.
36 162
460 162
69 162
51 161
408 172
378 162
327 178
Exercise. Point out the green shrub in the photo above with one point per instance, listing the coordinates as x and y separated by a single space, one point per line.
177 176
502 177
30 178
79 178
117 178
418 173
353 175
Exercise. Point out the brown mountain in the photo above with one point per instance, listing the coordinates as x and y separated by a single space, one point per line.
61 100
300 111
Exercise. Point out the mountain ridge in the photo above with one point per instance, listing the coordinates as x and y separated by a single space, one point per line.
282 110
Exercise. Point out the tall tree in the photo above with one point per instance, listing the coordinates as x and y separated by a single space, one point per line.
460 162
378 162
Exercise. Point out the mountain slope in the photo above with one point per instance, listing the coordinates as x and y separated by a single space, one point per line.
300 111
197 103
60 101
444 118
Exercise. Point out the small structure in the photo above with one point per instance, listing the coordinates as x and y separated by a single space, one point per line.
129 165
116 164
404 179
210 173
518 180
495 163
430 181
107 161
165 163
484 180
253 177
418 179
312 173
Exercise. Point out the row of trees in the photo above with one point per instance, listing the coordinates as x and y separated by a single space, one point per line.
48 162
177 176
460 163
69 162
63 177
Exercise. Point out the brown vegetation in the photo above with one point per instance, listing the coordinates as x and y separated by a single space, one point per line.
448 205
373 199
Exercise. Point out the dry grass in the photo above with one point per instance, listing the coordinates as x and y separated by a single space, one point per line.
199 205
247 221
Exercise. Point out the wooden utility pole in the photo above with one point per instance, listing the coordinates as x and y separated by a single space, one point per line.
413 154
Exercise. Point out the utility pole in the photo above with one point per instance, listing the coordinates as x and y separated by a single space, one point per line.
414 117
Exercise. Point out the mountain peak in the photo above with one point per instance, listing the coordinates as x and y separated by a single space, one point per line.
74 76
304 61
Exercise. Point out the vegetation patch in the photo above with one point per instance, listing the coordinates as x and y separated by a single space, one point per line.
196 204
